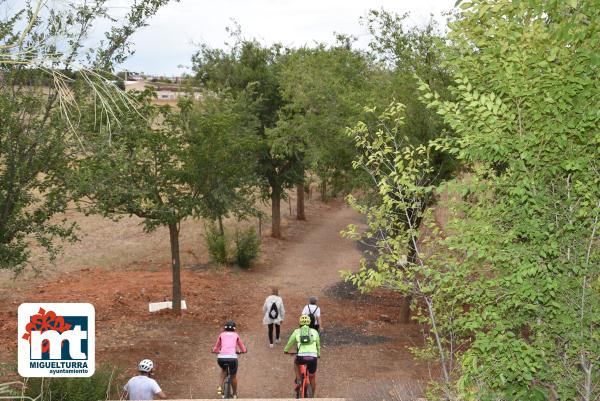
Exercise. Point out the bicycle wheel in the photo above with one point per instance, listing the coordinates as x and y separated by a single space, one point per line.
299 390
227 388
308 393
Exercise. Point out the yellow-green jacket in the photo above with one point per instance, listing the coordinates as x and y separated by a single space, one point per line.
311 349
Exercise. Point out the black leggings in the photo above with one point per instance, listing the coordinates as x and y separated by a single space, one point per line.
277 331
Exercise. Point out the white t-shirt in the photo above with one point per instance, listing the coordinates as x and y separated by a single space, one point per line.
142 388
315 311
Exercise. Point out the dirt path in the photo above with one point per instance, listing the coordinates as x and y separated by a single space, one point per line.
313 263
308 267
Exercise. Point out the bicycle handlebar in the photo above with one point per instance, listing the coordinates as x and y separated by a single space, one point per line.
237 352
296 353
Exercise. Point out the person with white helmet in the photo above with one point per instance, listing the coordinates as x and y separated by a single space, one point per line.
143 386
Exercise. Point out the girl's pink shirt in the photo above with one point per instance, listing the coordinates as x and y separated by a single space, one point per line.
227 344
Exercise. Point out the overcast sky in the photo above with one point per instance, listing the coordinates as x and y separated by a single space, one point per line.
169 40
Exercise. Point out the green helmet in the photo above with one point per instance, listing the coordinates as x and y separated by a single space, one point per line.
304 320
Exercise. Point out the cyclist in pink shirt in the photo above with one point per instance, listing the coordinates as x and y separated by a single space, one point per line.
227 349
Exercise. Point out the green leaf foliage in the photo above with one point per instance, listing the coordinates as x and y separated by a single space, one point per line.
247 247
143 170
248 71
524 89
47 78
508 286
220 151
324 88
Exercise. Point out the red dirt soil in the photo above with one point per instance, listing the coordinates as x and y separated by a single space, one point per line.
306 262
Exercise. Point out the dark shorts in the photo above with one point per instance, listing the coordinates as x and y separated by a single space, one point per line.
230 363
309 361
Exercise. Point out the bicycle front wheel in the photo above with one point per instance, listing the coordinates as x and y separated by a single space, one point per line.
227 389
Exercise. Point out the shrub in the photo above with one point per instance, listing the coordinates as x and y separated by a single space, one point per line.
101 386
247 246
216 243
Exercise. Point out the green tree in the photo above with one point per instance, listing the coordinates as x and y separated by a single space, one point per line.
513 278
33 165
407 55
142 172
527 84
220 155
324 89
249 71
401 173
46 75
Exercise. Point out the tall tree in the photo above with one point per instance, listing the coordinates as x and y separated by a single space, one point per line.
248 70
324 89
220 155
44 68
142 173
408 55
401 173
525 111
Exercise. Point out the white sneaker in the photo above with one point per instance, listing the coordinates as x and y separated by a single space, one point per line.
277 341
270 345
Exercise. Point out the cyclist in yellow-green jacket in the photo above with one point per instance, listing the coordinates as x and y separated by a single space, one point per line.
308 350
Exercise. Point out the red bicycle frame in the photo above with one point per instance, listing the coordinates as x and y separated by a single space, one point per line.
305 390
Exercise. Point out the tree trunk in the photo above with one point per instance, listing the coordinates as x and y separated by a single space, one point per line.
323 191
405 311
221 229
259 226
275 214
300 202
176 265
411 258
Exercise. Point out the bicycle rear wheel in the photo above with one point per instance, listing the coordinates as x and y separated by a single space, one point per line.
227 388
308 393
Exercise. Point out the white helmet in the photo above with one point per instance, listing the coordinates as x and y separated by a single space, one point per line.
146 366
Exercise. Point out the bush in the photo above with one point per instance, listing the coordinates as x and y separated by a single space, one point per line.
103 385
247 246
216 243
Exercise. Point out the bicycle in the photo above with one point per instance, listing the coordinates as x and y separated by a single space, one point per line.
227 390
227 387
305 389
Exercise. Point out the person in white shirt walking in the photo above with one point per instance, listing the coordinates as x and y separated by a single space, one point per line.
314 312
143 386
274 313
